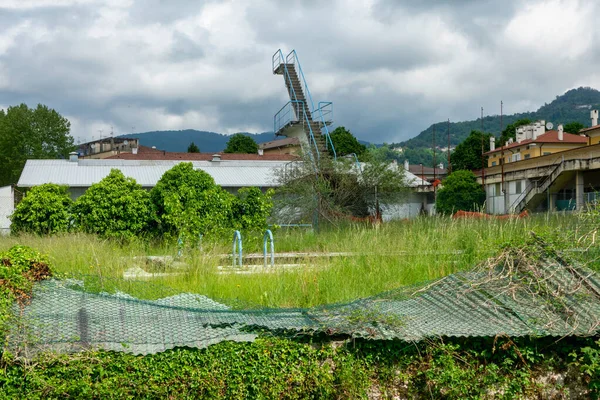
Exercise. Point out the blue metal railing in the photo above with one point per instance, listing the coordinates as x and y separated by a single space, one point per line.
288 114
269 237
295 112
292 58
325 112
237 242
298 104
277 60
358 166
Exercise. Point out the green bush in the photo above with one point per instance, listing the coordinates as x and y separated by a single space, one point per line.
189 203
460 191
43 210
20 266
251 209
115 207
273 368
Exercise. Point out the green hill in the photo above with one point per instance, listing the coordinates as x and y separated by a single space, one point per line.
572 106
208 142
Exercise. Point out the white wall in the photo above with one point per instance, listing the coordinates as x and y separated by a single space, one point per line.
7 206
495 198
410 208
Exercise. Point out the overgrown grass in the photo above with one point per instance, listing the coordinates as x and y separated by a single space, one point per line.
382 258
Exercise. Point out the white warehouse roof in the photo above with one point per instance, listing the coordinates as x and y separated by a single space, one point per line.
84 173
226 173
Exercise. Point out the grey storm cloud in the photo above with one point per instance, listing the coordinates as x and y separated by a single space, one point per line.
391 67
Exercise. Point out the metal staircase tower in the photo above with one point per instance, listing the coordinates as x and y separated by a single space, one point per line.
299 117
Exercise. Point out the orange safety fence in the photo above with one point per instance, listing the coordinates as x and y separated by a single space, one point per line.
478 215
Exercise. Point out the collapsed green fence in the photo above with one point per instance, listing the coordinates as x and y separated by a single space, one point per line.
521 292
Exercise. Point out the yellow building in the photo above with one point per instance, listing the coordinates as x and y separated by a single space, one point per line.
545 144
593 133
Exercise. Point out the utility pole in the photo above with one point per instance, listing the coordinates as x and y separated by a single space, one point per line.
501 126
433 152
434 191
449 165
502 162
482 157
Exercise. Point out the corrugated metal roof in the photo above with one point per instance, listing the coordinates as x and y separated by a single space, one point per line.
226 173
84 173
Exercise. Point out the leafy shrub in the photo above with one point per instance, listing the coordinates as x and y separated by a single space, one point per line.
588 360
19 268
252 208
460 191
278 368
115 207
43 210
189 203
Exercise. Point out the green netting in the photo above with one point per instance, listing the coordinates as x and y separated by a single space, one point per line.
521 292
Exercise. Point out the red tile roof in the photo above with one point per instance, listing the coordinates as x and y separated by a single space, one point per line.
146 149
590 129
548 137
153 154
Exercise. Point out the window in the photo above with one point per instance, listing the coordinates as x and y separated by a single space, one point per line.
547 153
527 156
518 188
516 157
493 163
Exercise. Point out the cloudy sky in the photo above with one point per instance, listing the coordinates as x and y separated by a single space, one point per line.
391 67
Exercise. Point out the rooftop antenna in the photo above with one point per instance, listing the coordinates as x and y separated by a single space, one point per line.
549 125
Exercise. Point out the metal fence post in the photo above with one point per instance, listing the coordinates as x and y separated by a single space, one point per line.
237 242
269 236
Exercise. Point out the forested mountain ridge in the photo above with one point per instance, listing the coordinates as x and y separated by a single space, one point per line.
208 142
573 106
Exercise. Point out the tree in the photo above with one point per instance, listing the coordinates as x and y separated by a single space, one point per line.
467 155
190 204
345 143
251 209
192 148
573 127
45 209
240 143
345 189
27 133
384 152
115 207
459 191
510 132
